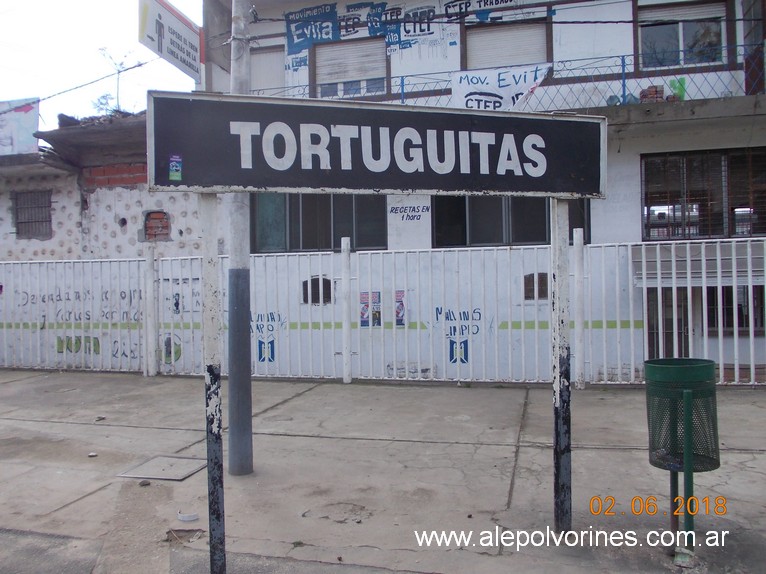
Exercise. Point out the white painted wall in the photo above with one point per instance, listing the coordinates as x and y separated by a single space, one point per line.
580 41
109 227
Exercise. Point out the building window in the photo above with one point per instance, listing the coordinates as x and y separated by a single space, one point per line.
535 289
350 69
267 70
317 222
498 45
156 226
31 211
704 194
484 221
681 35
317 291
739 310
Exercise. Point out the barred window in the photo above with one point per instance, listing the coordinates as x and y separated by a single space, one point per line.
741 306
483 221
709 194
317 222
32 214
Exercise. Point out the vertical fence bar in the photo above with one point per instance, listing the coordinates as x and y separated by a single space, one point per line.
674 297
617 307
623 80
689 301
578 304
604 337
735 306
703 283
660 305
644 300
719 309
345 275
631 311
751 308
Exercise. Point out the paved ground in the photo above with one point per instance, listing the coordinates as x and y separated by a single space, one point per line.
345 474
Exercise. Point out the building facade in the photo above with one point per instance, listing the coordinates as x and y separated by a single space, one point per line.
671 261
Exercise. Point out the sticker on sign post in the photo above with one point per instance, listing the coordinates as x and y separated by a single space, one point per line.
175 168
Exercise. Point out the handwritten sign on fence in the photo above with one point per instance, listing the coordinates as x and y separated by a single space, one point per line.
498 89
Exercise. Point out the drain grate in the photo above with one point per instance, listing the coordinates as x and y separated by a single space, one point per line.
166 468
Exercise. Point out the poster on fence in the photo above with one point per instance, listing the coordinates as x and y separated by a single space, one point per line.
399 309
497 89
369 309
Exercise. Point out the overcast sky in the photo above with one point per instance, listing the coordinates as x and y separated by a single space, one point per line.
48 46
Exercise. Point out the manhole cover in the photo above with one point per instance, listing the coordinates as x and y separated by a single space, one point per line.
166 468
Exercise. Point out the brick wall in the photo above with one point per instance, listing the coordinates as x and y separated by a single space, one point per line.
117 175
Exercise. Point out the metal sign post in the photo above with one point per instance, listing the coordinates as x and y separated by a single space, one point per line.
211 348
562 423
211 143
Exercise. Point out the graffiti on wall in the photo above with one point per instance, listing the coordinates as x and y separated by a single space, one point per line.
401 27
77 343
267 327
80 312
460 326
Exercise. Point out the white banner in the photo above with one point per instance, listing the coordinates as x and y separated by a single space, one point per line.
499 89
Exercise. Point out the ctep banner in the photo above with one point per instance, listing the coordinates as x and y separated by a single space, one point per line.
205 142
497 88
171 35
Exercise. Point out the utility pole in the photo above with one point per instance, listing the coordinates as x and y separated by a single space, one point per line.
238 222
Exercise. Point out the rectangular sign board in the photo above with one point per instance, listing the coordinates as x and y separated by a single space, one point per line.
214 143
171 35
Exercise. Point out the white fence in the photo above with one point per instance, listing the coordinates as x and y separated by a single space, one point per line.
463 314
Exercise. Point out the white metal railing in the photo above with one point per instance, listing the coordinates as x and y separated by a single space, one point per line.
456 314
72 315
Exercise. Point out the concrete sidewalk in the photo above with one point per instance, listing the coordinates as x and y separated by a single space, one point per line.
346 474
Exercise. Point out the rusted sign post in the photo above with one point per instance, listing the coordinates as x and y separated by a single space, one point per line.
210 143
211 349
561 366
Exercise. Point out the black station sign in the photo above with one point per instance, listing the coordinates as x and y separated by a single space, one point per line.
202 142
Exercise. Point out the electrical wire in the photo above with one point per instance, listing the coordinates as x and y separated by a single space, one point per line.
86 84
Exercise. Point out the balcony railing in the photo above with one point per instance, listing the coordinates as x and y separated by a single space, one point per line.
580 84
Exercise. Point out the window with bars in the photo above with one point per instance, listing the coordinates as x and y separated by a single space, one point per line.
484 221
711 194
32 216
681 35
741 306
317 222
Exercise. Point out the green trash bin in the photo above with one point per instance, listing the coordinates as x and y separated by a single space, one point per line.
666 381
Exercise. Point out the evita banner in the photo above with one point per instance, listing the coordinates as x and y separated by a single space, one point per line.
500 89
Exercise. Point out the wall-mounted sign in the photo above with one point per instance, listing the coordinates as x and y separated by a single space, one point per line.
171 35
234 143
